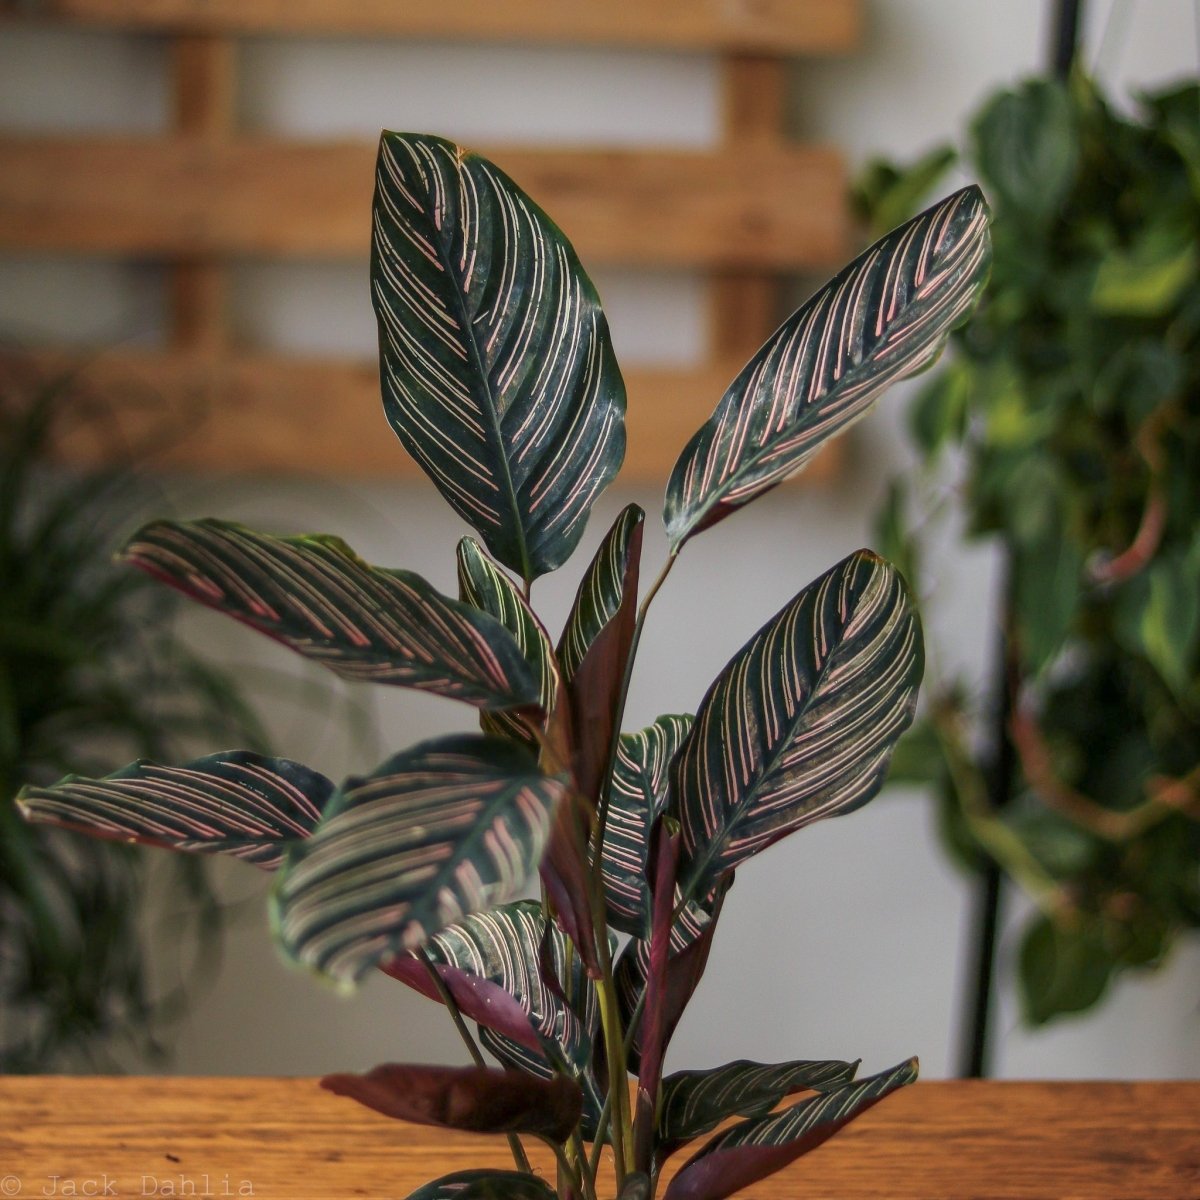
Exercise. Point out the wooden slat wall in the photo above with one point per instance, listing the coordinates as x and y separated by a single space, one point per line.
749 210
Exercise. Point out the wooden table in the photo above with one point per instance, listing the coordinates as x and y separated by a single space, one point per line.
285 1139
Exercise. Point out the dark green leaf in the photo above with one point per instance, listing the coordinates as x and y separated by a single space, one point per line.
474 1099
485 1184
316 596
885 195
1146 280
754 1149
449 827
487 588
238 803
884 317
1062 970
693 1102
1027 148
637 797
801 723
498 375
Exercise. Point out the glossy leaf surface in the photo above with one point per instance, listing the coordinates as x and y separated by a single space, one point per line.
473 1099
485 1183
449 827
316 596
497 369
638 795
757 1148
883 317
801 723
237 803
695 1102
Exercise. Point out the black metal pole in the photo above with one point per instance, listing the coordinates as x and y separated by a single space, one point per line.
976 1060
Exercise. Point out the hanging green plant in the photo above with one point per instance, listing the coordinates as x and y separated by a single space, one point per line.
1067 423
92 671
499 377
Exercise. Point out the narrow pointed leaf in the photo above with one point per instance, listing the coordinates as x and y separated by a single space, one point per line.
474 1099
482 1001
802 721
695 1102
757 1148
316 596
483 585
239 803
691 939
449 827
884 317
485 1183
595 646
497 369
637 797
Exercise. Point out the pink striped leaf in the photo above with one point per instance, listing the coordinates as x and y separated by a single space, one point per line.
802 721
497 367
452 826
484 586
637 796
239 803
696 1102
316 596
754 1149
884 317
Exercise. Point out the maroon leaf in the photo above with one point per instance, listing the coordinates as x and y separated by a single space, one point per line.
594 648
475 1099
478 998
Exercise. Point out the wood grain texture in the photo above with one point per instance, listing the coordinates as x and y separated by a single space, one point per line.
763 206
289 1140
275 414
778 26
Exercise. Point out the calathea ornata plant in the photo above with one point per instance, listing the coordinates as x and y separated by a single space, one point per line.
499 378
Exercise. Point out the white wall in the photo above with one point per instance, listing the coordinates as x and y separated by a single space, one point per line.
844 941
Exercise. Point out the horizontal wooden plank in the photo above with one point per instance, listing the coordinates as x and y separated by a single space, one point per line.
771 26
269 414
775 207
286 1139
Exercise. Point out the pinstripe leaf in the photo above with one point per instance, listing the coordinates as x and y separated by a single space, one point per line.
316 596
483 585
239 803
754 1149
802 721
636 798
485 1183
884 317
449 827
497 370
695 1102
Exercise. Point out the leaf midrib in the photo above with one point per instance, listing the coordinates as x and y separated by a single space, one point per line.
493 415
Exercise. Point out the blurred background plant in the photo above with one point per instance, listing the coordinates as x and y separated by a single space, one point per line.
92 672
1066 427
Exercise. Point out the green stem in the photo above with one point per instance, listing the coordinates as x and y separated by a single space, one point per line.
514 1142
602 1122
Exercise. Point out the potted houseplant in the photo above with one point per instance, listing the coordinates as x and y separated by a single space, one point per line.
1066 422
499 378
